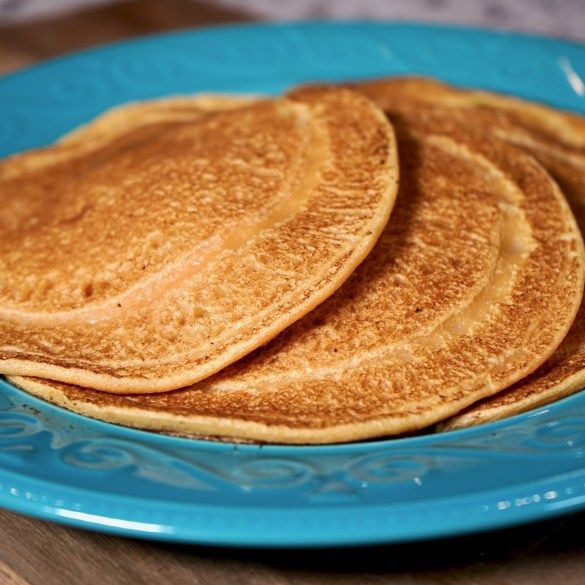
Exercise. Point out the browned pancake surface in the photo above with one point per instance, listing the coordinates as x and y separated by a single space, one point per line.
557 140
472 285
142 256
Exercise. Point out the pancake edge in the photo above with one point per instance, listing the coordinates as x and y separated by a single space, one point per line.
203 427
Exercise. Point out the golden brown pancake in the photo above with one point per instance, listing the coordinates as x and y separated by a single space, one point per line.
472 285
141 257
120 120
557 140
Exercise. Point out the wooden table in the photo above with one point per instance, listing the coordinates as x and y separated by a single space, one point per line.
35 552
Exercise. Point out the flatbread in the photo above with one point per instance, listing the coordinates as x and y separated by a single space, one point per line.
472 285
161 243
557 140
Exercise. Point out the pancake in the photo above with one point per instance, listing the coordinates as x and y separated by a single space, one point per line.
114 123
141 257
557 140
472 285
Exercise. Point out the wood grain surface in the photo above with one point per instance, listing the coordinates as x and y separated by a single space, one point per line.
27 43
38 553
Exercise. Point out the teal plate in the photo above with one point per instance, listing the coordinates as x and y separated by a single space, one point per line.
63 467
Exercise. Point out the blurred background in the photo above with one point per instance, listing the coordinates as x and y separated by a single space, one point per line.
31 30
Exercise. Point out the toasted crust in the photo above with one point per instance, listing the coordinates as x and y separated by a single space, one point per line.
557 140
472 285
266 210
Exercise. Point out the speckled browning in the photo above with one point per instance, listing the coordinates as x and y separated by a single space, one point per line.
157 245
557 140
472 285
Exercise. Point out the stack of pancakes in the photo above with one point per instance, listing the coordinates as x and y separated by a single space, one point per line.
336 264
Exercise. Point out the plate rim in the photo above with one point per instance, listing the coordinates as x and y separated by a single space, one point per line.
301 23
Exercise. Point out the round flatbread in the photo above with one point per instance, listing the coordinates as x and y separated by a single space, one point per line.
157 245
557 140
